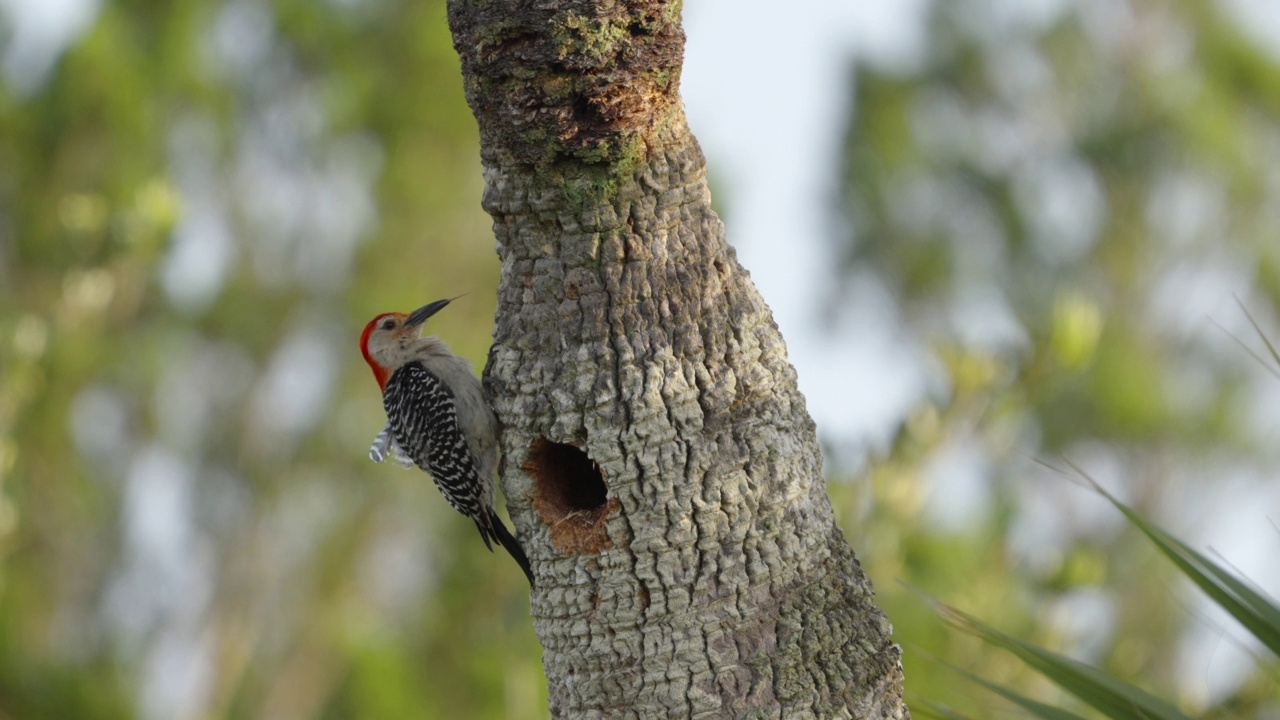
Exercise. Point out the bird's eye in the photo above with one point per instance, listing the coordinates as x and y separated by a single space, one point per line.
388 324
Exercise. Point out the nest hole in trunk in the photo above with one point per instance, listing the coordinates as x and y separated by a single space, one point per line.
570 496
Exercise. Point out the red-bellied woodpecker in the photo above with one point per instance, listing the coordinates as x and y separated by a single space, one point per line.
437 418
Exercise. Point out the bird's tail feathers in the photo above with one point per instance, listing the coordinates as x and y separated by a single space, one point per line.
499 532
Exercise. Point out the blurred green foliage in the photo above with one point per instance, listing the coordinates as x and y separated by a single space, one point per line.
1063 199
203 202
200 206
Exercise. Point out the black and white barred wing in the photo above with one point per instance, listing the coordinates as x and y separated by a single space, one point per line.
424 423
385 446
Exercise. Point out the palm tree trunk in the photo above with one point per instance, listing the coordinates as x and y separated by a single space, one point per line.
660 465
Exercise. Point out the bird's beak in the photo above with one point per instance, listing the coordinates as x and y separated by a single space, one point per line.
419 316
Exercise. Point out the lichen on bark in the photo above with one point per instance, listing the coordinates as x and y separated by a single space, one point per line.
578 82
659 463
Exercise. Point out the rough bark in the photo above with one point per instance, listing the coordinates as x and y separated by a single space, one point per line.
660 465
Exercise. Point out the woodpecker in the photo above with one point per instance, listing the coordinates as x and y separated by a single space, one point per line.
437 418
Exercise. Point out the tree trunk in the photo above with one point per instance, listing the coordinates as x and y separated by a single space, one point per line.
660 466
